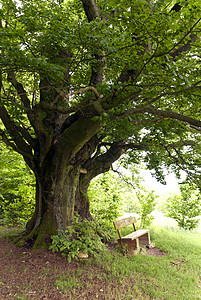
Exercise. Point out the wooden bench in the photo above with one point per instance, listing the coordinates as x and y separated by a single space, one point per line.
131 242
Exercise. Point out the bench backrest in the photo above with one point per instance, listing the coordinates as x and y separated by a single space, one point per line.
118 224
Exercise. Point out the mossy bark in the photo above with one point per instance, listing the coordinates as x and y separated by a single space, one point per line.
61 184
57 182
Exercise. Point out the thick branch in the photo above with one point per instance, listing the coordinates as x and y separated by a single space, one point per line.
13 146
24 132
91 9
22 94
45 135
67 110
23 142
20 89
173 115
102 163
21 145
92 12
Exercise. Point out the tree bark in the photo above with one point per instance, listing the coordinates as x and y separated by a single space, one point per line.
57 182
62 181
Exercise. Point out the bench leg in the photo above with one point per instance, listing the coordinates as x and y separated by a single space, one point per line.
145 239
132 247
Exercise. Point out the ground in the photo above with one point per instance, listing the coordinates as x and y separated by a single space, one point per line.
33 274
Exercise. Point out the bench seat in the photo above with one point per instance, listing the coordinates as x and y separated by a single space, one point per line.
135 234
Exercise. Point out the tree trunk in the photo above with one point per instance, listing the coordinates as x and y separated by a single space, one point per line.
58 195
55 202
82 205
63 178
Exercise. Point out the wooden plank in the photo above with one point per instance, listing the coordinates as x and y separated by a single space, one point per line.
136 234
129 245
145 239
124 222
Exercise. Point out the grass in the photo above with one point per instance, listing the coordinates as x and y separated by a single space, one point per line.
174 276
9 232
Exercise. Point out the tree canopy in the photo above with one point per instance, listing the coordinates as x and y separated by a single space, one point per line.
83 82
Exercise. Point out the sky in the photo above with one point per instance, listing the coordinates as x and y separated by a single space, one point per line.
160 189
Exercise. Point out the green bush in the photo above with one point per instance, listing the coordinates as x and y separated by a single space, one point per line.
147 200
185 208
17 189
79 237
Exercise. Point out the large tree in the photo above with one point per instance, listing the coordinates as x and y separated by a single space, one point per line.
84 81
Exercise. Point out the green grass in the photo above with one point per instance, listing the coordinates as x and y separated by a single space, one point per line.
8 232
175 276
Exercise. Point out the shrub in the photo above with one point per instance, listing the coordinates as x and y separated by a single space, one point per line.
185 208
79 237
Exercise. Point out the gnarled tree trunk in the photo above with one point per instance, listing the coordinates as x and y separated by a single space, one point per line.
58 177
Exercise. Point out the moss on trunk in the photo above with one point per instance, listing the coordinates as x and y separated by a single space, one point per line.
57 180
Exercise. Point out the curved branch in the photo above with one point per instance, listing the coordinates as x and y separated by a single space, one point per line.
13 146
102 163
82 90
67 110
19 141
173 115
22 94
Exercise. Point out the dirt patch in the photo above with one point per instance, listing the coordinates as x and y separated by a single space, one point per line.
33 272
157 252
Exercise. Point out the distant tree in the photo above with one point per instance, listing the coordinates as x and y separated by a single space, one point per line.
185 208
147 200
84 81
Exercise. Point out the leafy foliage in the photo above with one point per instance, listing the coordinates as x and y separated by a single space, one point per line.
147 66
17 189
106 199
78 237
147 200
186 207
112 196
